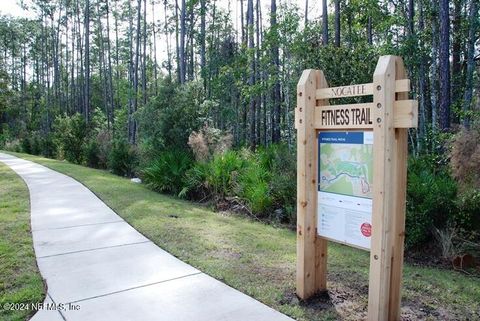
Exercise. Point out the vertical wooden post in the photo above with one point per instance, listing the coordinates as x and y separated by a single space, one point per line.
383 188
311 251
321 244
398 224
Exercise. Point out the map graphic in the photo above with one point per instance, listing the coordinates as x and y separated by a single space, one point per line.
346 168
345 177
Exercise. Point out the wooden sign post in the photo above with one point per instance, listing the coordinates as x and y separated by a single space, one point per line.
351 179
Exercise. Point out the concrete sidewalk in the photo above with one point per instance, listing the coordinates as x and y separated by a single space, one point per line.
91 258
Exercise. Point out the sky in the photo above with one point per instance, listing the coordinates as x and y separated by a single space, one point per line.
11 7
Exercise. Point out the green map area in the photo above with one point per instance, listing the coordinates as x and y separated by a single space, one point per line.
346 169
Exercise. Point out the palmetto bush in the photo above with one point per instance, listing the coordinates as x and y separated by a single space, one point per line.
167 173
253 186
223 172
231 174
195 185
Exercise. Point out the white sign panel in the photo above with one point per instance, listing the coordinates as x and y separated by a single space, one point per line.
345 175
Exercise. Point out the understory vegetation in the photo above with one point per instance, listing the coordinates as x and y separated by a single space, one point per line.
259 259
443 195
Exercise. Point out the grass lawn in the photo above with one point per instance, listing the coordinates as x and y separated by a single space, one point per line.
20 280
259 259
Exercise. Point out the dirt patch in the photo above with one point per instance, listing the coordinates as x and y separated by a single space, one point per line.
320 301
428 255
226 254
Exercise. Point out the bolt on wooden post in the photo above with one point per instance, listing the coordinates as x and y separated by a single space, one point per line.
351 179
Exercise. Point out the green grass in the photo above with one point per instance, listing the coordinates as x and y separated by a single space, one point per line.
20 280
259 259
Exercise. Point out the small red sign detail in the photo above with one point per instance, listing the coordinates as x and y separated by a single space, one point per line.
366 229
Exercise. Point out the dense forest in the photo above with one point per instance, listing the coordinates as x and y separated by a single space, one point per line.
212 118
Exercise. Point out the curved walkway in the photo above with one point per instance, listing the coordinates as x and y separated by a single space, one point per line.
97 267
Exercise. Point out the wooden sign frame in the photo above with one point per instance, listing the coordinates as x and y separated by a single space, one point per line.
390 114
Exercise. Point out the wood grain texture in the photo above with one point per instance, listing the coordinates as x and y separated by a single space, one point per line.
383 183
402 85
306 206
398 223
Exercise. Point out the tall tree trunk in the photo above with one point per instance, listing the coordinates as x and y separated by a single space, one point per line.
244 133
144 64
117 63
191 36
73 93
306 14
369 31
67 61
136 69
473 26
257 73
251 82
182 43
177 42
87 62
411 14
24 77
444 65
422 88
81 72
276 75
155 65
242 22
456 49
202 41
102 73
337 23
167 37
434 85
56 57
324 23
131 77
110 77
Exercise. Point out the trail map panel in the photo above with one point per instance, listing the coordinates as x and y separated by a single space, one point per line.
345 179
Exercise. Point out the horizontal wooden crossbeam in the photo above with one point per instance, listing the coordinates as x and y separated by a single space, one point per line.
402 85
360 116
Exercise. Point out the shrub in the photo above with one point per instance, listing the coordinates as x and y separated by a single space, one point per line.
264 180
283 181
195 185
26 145
167 121
148 152
70 133
468 215
13 145
431 197
47 145
215 179
223 173
4 137
104 144
91 154
123 158
166 174
36 144
253 186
